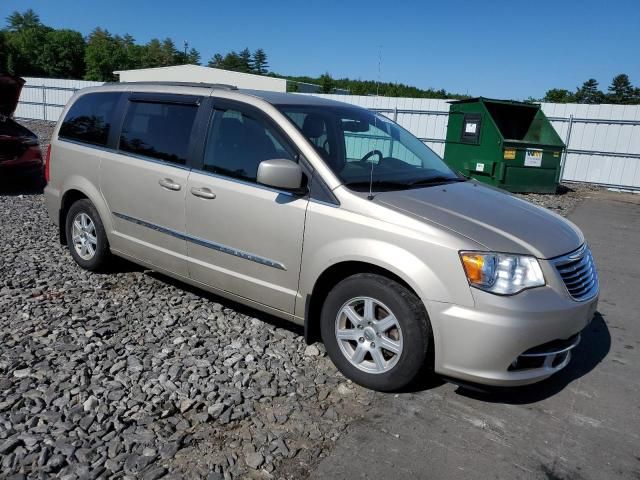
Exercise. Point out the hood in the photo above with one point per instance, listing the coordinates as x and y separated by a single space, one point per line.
495 219
10 88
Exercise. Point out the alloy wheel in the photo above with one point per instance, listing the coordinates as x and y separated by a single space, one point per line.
369 335
83 235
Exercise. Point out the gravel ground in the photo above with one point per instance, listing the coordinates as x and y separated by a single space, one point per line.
569 194
126 373
133 375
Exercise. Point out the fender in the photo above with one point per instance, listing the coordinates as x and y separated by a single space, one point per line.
413 270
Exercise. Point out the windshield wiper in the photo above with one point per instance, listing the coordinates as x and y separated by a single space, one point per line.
437 180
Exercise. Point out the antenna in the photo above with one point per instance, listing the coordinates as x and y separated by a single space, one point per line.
375 118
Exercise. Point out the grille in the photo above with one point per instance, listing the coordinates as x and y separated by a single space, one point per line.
578 271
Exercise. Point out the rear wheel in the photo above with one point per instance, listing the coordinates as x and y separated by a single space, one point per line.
86 237
376 331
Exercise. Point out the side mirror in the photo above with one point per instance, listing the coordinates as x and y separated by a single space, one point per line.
280 173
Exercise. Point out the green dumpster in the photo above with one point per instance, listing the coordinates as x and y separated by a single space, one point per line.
511 145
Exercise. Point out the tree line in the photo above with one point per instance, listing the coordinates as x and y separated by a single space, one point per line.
31 49
621 92
328 84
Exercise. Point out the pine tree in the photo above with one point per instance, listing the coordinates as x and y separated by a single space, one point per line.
169 53
327 84
193 57
20 21
246 63
589 92
260 65
103 55
216 61
621 91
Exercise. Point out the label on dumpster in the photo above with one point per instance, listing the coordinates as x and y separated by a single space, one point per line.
471 128
479 167
509 153
533 157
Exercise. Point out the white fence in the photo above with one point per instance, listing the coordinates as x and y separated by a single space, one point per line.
44 98
603 140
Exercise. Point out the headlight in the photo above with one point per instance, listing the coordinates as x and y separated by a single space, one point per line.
502 273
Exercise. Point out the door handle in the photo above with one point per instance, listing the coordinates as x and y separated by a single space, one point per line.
203 193
169 184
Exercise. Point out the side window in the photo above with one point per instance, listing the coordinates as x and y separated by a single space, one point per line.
237 142
90 118
158 130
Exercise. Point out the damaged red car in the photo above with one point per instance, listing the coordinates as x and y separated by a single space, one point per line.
20 154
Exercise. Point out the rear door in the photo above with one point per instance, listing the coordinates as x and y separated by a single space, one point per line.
145 180
245 238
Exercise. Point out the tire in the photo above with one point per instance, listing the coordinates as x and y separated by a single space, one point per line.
80 211
386 296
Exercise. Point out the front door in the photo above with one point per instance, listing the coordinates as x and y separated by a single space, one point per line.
245 238
145 181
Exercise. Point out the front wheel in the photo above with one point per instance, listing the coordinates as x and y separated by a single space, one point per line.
376 331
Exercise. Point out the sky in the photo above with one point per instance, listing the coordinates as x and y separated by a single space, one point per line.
503 49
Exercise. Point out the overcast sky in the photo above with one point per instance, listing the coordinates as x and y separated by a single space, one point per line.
506 49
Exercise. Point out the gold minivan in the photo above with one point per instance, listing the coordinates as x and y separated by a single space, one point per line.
327 215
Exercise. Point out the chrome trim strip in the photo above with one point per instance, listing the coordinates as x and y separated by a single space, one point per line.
84 144
321 202
204 243
145 158
555 352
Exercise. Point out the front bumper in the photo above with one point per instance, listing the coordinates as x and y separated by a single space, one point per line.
495 342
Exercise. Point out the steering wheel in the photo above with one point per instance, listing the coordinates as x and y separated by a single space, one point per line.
371 154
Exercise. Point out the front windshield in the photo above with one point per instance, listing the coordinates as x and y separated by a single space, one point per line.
362 147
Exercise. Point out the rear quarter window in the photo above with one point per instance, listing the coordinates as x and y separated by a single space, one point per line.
90 118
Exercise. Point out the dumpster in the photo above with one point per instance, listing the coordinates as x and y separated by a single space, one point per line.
507 144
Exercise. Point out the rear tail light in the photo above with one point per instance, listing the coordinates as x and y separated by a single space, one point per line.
47 163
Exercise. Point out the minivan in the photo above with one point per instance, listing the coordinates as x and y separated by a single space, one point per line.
327 215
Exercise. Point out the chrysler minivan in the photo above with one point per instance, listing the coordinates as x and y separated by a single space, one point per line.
328 215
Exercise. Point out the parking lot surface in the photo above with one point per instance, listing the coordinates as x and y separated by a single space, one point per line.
584 423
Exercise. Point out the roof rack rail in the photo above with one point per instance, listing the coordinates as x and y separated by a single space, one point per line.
221 86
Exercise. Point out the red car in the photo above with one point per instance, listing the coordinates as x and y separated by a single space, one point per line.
20 154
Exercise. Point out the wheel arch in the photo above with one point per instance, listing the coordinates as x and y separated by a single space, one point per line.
329 278
70 197
77 188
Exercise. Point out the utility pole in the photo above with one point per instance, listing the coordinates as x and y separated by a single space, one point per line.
186 45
